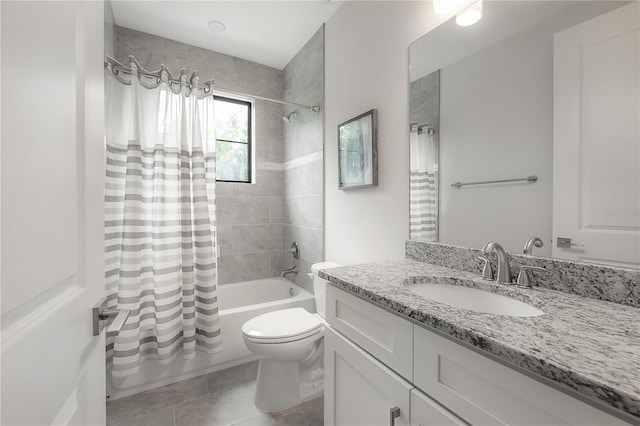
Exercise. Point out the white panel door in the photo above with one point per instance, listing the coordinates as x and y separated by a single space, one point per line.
359 390
596 145
53 369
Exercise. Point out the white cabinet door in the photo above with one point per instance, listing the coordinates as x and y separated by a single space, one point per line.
53 368
359 390
427 412
596 140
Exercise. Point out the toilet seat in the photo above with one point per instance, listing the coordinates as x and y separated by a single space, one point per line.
286 325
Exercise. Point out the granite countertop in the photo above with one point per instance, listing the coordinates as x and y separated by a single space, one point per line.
588 345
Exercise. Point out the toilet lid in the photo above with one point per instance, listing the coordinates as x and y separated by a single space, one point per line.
281 324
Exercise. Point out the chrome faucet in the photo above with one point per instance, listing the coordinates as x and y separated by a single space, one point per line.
292 270
504 272
533 241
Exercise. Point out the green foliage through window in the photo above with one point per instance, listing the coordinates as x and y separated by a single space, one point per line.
233 140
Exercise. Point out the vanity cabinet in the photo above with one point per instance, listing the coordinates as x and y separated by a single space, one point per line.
372 387
373 367
360 390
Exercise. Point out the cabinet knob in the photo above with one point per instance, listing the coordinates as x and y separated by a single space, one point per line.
394 413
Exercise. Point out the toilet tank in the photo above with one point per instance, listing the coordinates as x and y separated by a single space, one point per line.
320 286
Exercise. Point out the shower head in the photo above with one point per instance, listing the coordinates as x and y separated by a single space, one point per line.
287 118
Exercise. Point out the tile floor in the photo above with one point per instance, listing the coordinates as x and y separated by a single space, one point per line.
217 399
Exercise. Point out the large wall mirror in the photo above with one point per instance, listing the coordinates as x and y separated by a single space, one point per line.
545 92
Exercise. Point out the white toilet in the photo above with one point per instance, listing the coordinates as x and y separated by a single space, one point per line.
290 345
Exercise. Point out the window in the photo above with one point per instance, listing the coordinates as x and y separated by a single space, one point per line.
233 140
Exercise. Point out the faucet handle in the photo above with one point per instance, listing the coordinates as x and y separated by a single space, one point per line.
524 279
487 271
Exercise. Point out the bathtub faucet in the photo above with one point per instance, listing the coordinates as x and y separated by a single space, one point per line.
292 270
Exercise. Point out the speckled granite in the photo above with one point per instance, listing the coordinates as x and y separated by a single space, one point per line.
618 285
590 346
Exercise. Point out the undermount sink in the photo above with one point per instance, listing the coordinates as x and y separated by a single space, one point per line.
475 300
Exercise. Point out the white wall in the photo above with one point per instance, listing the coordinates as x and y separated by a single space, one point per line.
366 59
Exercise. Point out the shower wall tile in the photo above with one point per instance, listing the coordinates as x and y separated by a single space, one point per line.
224 240
304 210
267 182
304 83
257 238
243 267
228 71
305 133
276 206
269 138
309 239
224 188
277 262
306 179
306 68
301 278
302 154
245 210
424 100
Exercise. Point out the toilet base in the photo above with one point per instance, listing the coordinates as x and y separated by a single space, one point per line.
279 385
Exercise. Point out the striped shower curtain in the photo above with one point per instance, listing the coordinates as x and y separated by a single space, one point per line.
423 185
160 218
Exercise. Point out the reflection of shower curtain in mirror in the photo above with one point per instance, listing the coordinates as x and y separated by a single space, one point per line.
423 186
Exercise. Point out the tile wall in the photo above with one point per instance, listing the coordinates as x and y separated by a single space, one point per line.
303 158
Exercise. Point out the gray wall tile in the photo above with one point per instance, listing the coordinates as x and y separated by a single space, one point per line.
301 278
225 239
224 188
229 72
303 135
306 179
269 138
303 184
310 241
304 83
246 210
268 182
277 262
257 238
276 205
304 210
243 267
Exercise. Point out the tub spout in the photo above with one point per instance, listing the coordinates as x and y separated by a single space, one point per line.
292 270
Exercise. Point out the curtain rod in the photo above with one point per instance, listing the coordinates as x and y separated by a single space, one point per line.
117 67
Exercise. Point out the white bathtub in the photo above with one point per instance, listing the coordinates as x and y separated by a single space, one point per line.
238 302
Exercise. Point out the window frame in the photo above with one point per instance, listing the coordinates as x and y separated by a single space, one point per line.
250 111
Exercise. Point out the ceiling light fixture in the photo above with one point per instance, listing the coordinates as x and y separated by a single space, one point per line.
467 12
450 7
470 15
216 26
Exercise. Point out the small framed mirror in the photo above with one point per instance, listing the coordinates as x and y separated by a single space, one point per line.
358 151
